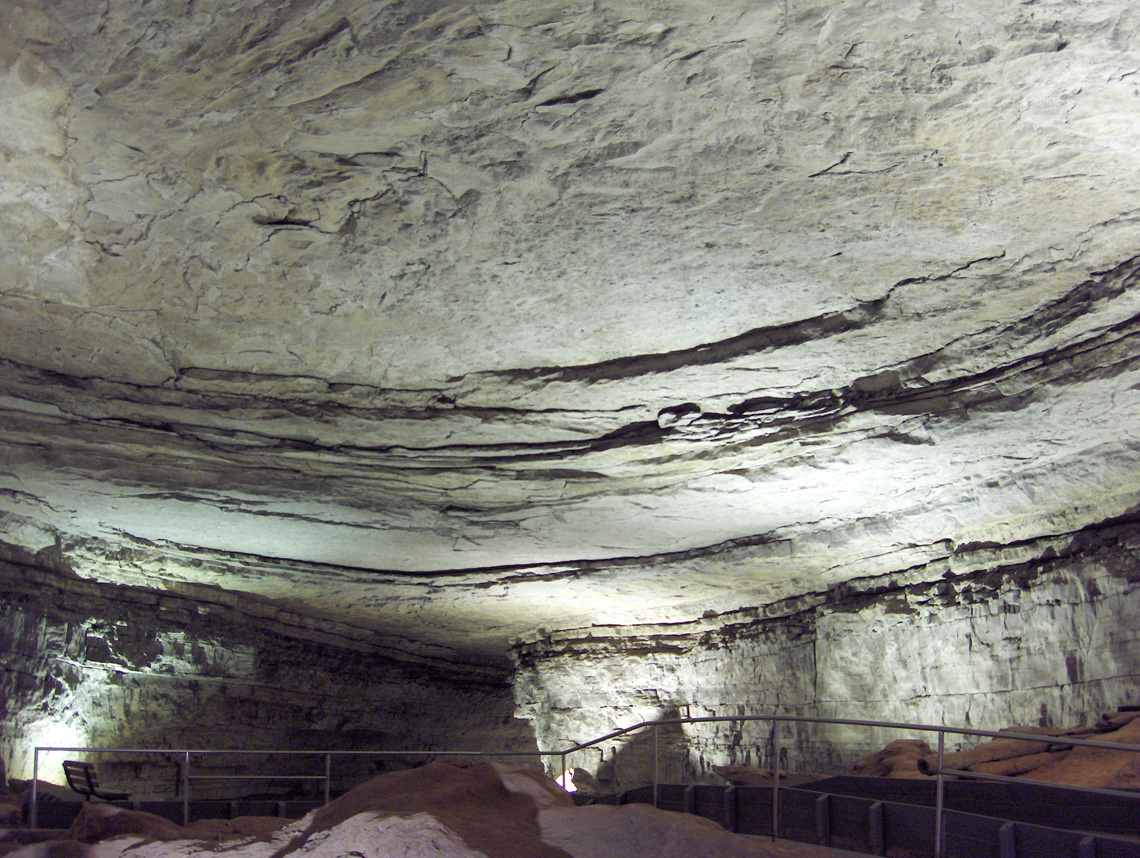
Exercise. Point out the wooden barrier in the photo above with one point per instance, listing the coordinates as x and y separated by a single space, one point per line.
877 816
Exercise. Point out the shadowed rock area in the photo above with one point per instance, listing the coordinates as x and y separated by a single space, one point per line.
538 367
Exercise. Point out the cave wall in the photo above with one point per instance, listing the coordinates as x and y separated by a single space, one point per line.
90 664
1042 632
993 636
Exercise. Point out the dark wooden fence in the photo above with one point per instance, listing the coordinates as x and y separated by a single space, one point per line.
880 816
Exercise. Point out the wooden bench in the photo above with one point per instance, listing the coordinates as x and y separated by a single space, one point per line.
81 777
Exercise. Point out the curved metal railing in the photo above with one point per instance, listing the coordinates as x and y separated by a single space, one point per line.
775 719
940 775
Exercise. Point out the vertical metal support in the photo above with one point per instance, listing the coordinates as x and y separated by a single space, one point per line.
35 782
186 788
1087 847
730 808
938 795
775 778
562 772
656 766
328 775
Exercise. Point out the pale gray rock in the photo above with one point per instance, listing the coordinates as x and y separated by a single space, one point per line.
1047 642
109 666
295 256
437 324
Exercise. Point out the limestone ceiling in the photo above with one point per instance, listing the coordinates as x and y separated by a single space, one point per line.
454 320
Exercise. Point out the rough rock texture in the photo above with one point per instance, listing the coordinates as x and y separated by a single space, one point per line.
979 642
898 760
126 667
449 322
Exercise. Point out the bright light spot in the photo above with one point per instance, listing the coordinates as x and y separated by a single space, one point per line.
47 734
566 781
56 734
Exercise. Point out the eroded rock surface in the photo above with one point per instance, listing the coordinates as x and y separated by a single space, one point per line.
1046 642
447 323
87 664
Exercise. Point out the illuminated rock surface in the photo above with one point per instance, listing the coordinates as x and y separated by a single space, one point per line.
439 325
1045 642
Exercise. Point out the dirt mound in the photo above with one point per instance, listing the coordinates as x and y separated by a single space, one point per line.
97 821
899 759
441 810
1097 767
470 799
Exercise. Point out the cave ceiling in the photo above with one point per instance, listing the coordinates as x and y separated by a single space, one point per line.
455 320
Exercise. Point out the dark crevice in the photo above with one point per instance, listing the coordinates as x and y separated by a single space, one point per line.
307 48
748 343
284 222
573 98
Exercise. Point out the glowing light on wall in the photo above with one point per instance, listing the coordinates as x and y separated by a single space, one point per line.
59 734
69 731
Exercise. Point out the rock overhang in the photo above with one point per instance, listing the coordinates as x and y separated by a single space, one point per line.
518 315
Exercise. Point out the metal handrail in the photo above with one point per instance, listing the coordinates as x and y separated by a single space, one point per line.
941 731
186 754
776 719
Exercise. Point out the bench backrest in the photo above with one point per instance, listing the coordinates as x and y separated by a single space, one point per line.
81 777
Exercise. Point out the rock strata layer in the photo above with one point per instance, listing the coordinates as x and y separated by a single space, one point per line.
982 643
444 324
129 667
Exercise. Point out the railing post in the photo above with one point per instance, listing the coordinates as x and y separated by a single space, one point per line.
186 788
729 799
328 775
775 778
938 795
823 819
562 771
656 770
875 828
35 782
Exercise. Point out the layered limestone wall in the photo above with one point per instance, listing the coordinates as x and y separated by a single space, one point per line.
1041 633
128 667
